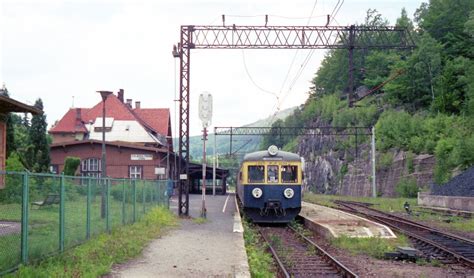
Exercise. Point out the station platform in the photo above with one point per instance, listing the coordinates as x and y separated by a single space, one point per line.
211 248
334 223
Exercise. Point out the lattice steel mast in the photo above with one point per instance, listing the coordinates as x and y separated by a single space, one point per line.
270 37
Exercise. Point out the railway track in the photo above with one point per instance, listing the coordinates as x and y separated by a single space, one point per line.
298 256
445 247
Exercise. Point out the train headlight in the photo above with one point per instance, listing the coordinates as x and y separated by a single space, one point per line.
289 193
257 192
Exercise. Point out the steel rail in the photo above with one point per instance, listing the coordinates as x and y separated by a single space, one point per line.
345 271
412 223
324 256
275 255
391 220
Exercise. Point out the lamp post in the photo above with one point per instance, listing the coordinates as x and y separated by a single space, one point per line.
103 165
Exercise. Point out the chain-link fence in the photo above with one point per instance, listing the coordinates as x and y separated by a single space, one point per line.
43 214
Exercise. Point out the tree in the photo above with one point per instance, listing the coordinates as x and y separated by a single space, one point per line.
444 20
39 142
70 165
416 88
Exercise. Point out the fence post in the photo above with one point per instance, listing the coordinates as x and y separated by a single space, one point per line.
62 195
143 197
123 202
88 217
107 205
24 219
134 200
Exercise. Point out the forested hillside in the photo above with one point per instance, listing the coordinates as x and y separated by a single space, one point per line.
428 108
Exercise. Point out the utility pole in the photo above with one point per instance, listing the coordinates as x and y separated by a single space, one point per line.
374 185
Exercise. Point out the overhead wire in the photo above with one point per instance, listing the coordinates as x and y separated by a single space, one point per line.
334 12
298 74
252 80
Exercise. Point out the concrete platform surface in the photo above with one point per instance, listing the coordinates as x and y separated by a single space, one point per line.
334 223
214 248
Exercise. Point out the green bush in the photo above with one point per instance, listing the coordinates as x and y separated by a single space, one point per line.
407 188
70 165
385 161
13 183
409 162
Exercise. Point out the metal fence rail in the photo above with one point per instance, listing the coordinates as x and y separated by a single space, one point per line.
44 214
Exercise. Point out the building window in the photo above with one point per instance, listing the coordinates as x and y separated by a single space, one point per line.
91 167
135 172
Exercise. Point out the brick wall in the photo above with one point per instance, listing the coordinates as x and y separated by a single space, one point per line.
118 158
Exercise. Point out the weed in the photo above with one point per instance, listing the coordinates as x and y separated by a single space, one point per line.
374 247
260 262
200 220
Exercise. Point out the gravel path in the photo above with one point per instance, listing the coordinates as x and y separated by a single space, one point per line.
209 249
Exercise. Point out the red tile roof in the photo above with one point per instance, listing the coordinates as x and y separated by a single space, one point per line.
157 119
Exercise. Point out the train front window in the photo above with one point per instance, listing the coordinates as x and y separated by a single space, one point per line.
256 173
272 173
289 174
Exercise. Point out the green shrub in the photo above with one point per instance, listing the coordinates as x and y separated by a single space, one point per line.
409 162
70 165
384 161
13 183
407 188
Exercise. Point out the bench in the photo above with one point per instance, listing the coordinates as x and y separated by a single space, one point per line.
51 199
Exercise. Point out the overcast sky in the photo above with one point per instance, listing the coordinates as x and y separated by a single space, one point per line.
66 50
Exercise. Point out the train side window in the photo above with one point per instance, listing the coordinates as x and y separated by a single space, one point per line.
272 173
256 174
289 174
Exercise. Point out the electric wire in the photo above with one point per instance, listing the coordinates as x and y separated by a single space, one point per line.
278 16
252 80
335 11
279 100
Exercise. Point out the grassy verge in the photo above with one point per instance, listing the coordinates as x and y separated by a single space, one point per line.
373 247
260 261
43 228
96 257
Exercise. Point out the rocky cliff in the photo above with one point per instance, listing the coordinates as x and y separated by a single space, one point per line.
334 165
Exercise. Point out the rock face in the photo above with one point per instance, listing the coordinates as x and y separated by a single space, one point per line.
333 166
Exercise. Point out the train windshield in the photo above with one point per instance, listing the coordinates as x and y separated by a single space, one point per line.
256 173
272 173
289 173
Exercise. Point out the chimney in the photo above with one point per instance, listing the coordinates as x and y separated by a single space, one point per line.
120 95
137 105
78 114
129 102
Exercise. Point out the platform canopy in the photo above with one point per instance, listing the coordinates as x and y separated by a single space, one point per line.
8 105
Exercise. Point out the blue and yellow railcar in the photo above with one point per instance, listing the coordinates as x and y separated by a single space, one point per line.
269 185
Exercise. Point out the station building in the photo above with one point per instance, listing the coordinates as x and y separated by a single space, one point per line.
138 140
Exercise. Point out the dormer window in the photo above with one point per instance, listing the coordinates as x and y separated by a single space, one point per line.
109 122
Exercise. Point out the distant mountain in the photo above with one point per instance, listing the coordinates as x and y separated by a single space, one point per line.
240 144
